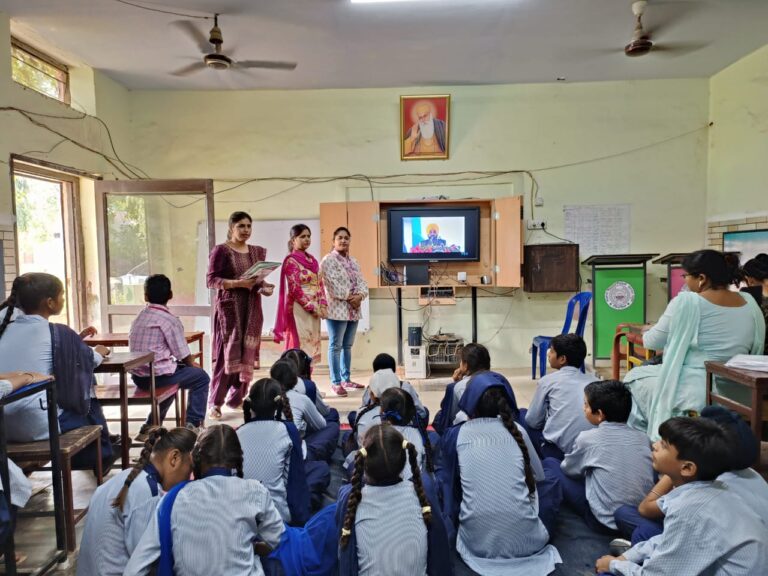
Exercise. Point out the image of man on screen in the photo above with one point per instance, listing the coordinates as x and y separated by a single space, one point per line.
433 239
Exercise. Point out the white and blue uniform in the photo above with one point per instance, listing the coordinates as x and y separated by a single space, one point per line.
21 487
110 536
499 530
615 461
214 523
709 530
557 407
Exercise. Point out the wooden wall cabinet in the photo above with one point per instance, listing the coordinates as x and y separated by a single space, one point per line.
551 268
501 240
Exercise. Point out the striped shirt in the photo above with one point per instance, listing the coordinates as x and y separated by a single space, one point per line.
390 531
557 407
321 406
214 522
751 487
709 530
616 462
267 458
500 533
414 437
157 330
110 536
305 415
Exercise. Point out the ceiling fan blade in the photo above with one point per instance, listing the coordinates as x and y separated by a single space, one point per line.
189 69
660 17
268 64
677 48
197 36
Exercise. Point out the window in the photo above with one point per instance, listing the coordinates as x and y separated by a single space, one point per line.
39 72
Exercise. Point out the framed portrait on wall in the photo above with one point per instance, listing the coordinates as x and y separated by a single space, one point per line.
424 127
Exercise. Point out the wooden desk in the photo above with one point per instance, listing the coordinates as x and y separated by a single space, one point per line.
633 334
757 382
121 339
58 495
121 363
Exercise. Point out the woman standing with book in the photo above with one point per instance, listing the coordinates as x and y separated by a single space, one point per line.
302 302
237 317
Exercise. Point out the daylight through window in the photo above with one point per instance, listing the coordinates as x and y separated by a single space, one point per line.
39 72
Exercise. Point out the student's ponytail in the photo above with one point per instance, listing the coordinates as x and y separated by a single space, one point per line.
509 423
266 400
218 446
9 305
159 441
413 456
354 497
284 407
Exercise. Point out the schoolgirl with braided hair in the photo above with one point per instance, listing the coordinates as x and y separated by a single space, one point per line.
30 342
488 484
272 453
397 408
121 509
379 506
209 526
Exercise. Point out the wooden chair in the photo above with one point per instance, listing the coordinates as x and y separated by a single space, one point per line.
70 443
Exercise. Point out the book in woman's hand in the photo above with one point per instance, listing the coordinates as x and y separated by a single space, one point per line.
260 270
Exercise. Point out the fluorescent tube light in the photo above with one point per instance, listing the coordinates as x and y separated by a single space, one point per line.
382 1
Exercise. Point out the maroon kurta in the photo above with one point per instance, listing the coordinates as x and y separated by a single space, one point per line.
237 322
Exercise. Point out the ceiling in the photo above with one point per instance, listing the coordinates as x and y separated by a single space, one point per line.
440 42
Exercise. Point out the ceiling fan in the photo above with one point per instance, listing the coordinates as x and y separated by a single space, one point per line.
642 42
216 59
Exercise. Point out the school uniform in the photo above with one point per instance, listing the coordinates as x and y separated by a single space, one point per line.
309 389
389 535
320 436
449 406
414 437
272 455
111 535
708 530
207 527
609 466
555 416
499 531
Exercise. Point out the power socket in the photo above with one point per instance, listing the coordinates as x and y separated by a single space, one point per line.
536 224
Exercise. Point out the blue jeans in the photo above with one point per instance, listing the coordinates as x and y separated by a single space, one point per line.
341 336
190 378
633 525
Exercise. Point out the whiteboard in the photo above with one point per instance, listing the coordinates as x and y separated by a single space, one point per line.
272 235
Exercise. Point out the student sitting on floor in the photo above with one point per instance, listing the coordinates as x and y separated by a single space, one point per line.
488 483
209 526
303 364
474 358
121 509
28 341
370 414
388 525
556 416
384 361
272 453
708 529
609 465
320 435
647 520
157 330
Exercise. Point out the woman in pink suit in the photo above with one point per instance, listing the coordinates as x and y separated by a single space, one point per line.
237 317
302 296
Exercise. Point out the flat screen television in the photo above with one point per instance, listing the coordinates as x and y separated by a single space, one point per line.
434 234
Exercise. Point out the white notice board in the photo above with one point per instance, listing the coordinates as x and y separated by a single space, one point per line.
599 228
272 235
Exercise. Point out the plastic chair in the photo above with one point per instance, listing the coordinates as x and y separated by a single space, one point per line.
540 344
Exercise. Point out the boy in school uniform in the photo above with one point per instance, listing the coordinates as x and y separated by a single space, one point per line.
709 529
157 330
609 465
555 417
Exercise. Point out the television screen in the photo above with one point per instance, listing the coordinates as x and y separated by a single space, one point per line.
434 234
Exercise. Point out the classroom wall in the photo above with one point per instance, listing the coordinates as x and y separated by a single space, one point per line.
336 132
738 146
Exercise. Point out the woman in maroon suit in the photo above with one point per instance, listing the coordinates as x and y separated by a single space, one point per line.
237 317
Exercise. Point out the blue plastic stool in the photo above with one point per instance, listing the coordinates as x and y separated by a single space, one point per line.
540 344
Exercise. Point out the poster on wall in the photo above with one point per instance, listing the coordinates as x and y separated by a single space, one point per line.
599 228
749 243
424 127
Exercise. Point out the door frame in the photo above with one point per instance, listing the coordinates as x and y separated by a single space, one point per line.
145 187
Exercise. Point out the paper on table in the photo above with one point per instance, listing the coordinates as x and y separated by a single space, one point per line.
260 270
749 362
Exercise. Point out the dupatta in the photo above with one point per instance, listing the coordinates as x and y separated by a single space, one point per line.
285 321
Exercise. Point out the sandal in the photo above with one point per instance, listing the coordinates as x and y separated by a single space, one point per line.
214 413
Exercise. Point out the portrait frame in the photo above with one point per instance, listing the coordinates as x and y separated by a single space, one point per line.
440 109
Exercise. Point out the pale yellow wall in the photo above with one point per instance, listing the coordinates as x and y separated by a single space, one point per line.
336 132
738 148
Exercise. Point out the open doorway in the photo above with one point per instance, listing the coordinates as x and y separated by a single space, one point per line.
46 209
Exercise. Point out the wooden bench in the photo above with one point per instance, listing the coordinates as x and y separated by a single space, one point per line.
70 443
110 396
756 382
